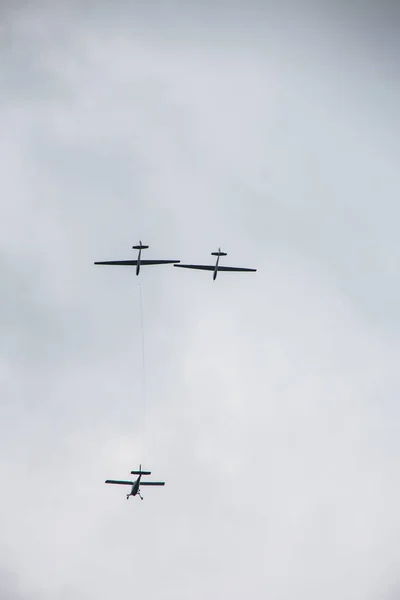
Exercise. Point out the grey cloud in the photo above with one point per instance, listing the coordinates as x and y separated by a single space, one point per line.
9 589
270 400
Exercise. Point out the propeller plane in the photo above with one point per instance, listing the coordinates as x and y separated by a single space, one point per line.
135 485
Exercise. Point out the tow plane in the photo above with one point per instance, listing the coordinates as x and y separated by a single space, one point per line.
135 485
139 262
215 268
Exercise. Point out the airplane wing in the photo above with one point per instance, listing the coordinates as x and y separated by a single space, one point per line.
119 482
135 262
212 268
234 269
117 262
201 267
158 262
140 472
152 483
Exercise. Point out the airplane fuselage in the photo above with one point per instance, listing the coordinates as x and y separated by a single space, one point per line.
216 269
138 262
135 488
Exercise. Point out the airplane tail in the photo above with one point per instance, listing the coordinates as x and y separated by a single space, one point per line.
140 472
140 246
219 253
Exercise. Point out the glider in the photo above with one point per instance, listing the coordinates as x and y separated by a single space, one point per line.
215 268
139 262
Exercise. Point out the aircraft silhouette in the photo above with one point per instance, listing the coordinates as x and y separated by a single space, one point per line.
139 262
135 485
215 268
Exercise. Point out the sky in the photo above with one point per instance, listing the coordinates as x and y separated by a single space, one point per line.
267 401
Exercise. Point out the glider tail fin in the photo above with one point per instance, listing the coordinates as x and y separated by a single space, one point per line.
140 246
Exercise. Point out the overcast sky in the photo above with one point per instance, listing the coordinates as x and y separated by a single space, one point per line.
271 399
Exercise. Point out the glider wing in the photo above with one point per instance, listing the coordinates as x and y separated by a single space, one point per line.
201 267
234 269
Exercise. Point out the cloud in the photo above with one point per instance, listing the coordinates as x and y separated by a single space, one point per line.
271 397
8 585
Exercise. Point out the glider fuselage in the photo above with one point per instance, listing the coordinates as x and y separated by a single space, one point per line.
216 269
